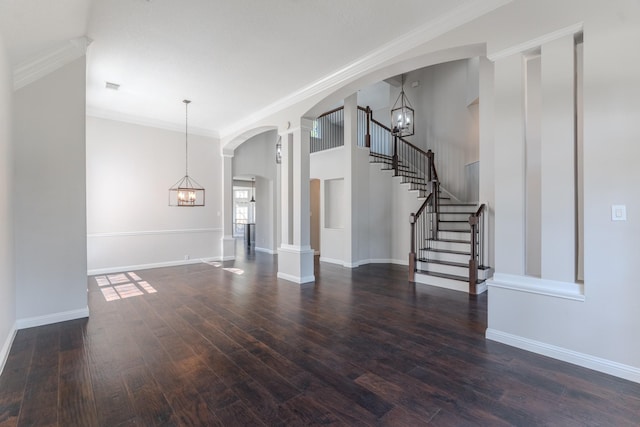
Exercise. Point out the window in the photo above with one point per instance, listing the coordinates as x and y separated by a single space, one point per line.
242 194
315 130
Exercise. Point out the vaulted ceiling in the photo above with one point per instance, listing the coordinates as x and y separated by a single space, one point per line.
232 58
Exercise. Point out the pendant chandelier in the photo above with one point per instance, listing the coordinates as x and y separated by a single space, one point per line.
186 192
402 115
253 181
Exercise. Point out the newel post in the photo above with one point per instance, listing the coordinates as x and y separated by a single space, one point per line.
367 137
395 155
412 252
473 261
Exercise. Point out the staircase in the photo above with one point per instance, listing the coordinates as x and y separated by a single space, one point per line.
447 236
443 259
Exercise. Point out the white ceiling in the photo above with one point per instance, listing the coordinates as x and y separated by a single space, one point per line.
232 58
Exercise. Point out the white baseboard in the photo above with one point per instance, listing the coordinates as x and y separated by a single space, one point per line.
363 262
267 251
620 370
119 269
332 260
31 322
6 347
296 279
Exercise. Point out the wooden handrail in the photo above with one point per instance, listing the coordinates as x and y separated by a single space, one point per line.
329 112
480 209
400 138
424 205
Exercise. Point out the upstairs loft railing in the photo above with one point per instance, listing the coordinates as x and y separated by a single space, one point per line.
328 131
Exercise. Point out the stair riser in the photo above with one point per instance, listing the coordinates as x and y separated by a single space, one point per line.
443 268
449 246
457 216
441 256
454 225
450 208
454 235
442 282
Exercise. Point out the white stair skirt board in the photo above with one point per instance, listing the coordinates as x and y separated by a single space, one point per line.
606 366
6 347
47 319
119 269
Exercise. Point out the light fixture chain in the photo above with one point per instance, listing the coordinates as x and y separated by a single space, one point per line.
186 137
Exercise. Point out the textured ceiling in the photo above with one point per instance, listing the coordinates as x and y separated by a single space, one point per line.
230 57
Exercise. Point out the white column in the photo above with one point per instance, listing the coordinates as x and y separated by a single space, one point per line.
350 175
487 154
558 213
286 190
509 165
295 256
227 243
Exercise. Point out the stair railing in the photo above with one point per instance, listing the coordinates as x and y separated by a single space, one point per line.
476 222
328 131
423 232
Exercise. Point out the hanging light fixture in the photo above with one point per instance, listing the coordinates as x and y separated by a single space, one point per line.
253 199
402 115
279 150
186 192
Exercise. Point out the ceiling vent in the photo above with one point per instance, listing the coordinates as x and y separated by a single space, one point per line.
112 86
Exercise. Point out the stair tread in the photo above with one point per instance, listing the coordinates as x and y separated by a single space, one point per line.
450 263
449 230
447 251
449 220
443 275
459 204
455 213
448 240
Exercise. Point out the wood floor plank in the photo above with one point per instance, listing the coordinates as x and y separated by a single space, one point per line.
359 347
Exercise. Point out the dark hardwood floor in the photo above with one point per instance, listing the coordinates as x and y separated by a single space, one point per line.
358 347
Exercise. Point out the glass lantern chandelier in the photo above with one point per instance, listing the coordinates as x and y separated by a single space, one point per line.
402 115
186 192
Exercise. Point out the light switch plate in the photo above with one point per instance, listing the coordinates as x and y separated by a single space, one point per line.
618 212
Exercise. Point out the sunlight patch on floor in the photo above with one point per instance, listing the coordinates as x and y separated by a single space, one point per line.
123 285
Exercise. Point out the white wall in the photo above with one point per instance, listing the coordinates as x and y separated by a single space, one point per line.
445 121
599 328
257 158
7 277
129 171
49 197
382 228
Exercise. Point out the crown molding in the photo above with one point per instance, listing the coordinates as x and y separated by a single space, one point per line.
145 121
49 61
430 30
537 42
